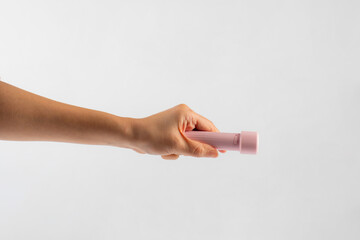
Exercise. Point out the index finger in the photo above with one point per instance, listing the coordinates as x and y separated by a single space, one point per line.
204 124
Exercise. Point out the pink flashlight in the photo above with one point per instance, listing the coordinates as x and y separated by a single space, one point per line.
244 142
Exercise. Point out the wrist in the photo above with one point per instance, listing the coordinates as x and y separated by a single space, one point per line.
128 132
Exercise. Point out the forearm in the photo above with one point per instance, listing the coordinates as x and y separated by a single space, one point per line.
28 117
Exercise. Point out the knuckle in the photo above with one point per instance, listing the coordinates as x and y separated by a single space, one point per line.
181 111
183 106
197 151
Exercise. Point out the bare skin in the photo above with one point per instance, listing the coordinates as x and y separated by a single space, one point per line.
25 116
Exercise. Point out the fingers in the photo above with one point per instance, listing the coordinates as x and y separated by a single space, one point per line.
205 124
170 156
197 149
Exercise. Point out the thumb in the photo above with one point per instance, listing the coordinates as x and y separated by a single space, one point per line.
198 149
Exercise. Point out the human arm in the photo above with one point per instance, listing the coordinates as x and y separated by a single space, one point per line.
25 116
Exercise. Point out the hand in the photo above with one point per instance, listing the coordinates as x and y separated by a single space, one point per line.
163 134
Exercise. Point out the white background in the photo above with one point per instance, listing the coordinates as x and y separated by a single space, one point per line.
288 69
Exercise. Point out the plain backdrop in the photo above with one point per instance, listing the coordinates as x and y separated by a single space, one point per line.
287 69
